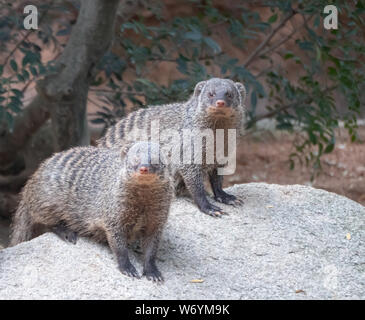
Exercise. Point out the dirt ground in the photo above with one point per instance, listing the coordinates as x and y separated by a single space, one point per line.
264 158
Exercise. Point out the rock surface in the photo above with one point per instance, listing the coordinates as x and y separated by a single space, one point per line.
284 242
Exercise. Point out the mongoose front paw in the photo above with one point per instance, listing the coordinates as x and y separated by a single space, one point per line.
65 234
228 199
153 274
129 270
71 237
213 210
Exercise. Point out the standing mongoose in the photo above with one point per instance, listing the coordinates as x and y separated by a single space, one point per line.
96 192
215 104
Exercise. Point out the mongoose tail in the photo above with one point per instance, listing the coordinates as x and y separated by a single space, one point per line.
22 227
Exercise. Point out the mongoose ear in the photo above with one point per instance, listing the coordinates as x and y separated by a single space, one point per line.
198 88
124 151
241 88
125 148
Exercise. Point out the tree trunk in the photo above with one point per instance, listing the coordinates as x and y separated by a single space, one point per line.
63 95
66 92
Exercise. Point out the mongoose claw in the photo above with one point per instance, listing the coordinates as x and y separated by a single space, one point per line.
154 275
129 270
238 202
216 213
213 211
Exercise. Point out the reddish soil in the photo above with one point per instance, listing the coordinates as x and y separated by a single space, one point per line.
265 159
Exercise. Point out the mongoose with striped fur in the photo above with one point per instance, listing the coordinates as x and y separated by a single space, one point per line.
215 104
96 192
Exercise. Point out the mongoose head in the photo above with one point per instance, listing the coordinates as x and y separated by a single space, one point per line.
220 97
145 163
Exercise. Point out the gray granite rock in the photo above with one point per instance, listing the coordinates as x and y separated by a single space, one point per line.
284 242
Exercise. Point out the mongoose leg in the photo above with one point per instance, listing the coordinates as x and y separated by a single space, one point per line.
150 269
65 233
118 245
194 183
219 194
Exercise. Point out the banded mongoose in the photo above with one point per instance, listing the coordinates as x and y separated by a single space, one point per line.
215 104
96 192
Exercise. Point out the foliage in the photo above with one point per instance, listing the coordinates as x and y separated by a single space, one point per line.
23 62
328 64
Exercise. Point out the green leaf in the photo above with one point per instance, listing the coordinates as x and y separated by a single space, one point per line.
273 18
312 137
212 44
42 69
1 70
14 106
329 148
332 71
305 45
288 55
316 21
25 74
146 82
17 92
193 35
13 65
292 164
33 70
253 99
182 65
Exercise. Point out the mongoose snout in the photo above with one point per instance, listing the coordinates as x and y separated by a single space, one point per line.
145 175
220 103
143 170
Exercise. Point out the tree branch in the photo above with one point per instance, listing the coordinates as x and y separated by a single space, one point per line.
288 37
256 52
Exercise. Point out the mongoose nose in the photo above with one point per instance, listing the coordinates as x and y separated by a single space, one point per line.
143 170
220 103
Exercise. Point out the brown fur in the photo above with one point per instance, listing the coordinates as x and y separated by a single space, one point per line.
198 113
95 192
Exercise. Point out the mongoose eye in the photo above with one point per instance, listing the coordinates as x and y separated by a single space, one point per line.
229 94
211 94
